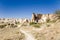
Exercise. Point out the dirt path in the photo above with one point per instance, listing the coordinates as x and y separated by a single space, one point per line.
28 36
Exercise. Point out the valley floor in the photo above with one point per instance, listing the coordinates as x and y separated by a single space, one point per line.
49 31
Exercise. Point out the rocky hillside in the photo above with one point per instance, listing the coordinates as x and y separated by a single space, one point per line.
14 29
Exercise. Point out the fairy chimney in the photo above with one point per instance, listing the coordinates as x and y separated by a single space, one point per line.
36 17
33 17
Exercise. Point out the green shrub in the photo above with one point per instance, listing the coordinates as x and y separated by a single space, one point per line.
2 26
2 22
17 22
8 23
13 26
37 25
31 23
52 21
48 21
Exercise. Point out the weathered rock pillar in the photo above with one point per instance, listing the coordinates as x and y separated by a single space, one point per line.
33 17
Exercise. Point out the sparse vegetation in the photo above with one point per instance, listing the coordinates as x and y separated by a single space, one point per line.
57 12
13 26
2 22
34 29
17 22
51 21
31 23
8 23
48 20
3 25
37 25
39 36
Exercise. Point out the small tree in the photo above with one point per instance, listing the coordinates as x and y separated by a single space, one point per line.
57 12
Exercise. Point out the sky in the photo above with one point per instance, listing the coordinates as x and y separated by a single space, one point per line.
25 8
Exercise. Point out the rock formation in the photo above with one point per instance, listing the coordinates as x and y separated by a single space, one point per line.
36 17
33 17
53 17
44 17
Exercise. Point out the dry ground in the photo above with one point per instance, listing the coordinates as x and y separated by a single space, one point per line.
47 31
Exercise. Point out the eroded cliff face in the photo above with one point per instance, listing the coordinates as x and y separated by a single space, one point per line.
44 17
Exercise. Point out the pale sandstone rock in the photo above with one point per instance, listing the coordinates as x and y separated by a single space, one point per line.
44 17
53 17
36 17
33 17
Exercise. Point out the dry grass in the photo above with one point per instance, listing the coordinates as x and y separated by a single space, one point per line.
38 31
11 34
